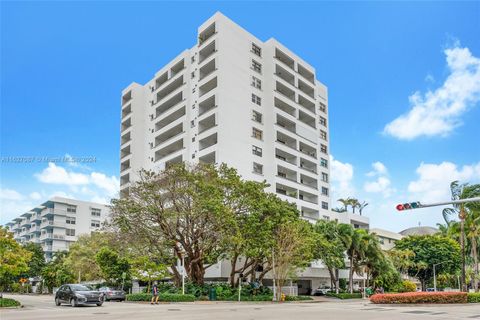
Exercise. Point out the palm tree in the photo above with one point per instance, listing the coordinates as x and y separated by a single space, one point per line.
356 253
362 206
354 203
464 211
345 202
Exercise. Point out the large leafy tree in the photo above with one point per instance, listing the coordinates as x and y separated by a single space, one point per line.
37 261
429 250
55 273
112 266
180 208
14 259
81 259
331 241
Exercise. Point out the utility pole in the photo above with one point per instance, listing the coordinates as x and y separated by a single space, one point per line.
273 267
435 275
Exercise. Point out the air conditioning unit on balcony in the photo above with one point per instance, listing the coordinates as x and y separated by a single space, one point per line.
152 102
152 88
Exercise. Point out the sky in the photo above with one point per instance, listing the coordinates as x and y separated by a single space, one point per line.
403 81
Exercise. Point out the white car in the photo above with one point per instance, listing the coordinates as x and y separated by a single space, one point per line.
321 291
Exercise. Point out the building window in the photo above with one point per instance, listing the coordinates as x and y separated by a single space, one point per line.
323 148
70 220
257 168
257 151
256 49
256 66
70 232
323 135
96 212
326 218
193 59
71 209
257 134
193 74
324 177
192 123
324 205
323 107
257 116
257 83
256 99
325 191
323 121
324 162
95 224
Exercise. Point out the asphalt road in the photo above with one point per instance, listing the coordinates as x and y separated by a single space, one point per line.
43 308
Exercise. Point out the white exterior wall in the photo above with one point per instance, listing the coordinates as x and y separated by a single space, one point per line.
387 238
233 115
47 224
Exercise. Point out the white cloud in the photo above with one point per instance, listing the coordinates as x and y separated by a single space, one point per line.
382 184
54 174
35 196
9 194
438 113
433 183
341 177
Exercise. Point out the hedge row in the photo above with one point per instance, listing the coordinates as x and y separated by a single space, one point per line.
345 295
298 298
163 297
473 297
7 302
420 297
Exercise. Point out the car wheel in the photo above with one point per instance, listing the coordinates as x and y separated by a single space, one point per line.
57 302
73 302
99 304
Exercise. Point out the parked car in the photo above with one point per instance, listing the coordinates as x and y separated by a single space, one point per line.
110 293
78 294
321 291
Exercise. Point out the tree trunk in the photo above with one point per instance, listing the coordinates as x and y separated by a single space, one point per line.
233 263
475 263
462 246
350 276
337 280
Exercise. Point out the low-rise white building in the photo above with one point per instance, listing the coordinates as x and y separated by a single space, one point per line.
386 238
58 222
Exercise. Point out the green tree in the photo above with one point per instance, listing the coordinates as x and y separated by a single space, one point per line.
81 259
14 259
146 268
293 250
331 241
181 208
112 266
55 273
430 250
37 261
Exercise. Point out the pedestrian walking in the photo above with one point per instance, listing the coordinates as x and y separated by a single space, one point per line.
154 294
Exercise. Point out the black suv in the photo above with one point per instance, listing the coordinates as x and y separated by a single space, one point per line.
77 294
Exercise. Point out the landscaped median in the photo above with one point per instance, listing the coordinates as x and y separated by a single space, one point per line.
425 297
167 297
344 295
163 297
8 303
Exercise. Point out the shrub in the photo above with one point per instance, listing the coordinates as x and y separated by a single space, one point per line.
345 295
163 297
408 286
420 297
7 302
473 297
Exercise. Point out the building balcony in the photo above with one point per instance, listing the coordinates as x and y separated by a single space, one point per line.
169 149
168 135
170 88
206 52
308 150
126 98
47 224
285 91
206 34
207 87
207 123
124 152
285 107
286 190
209 157
125 166
286 173
306 74
307 89
206 105
307 119
125 138
126 124
308 165
308 181
172 115
285 59
285 156
286 124
169 104
208 141
307 104
286 140
207 69
284 74
308 197
126 111
124 179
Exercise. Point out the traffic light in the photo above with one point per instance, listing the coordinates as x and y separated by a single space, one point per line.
408 206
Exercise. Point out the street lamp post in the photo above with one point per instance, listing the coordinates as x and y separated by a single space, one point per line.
183 272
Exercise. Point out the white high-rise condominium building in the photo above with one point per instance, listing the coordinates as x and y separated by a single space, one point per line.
58 222
234 99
